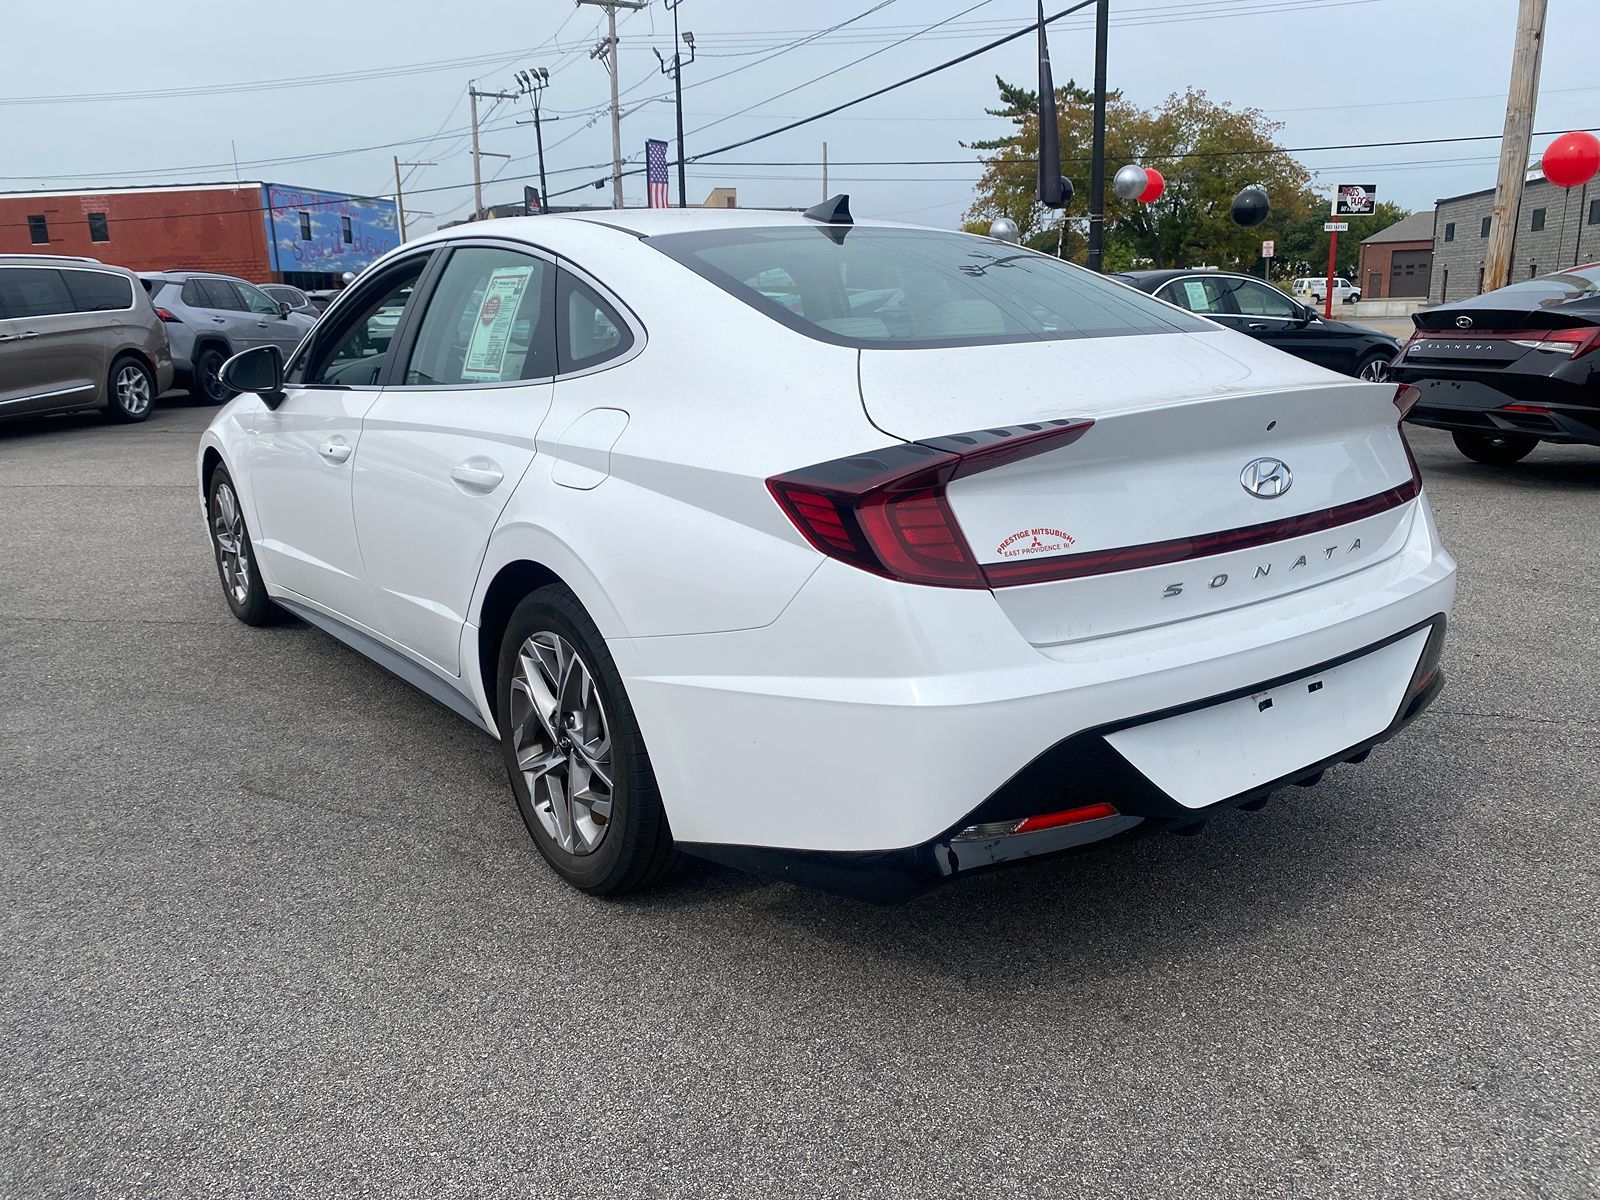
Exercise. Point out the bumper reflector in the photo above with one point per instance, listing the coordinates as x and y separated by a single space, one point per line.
1069 816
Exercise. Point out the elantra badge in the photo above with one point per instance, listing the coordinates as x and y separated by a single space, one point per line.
1266 478
1463 322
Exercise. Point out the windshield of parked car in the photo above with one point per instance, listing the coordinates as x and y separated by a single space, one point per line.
909 288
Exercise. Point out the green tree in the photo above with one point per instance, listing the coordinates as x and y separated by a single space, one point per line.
1206 151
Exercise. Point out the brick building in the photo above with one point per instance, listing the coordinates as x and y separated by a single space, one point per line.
1555 228
259 231
1397 262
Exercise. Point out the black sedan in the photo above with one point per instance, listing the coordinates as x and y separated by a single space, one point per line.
1261 310
1511 368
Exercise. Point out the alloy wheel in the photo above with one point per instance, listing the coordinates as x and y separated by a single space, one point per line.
562 741
211 377
133 390
227 529
1376 371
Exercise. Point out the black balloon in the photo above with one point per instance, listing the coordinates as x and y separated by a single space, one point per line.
1250 207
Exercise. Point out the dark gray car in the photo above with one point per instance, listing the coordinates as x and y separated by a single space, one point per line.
76 333
211 317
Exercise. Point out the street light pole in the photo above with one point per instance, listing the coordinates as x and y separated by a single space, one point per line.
533 84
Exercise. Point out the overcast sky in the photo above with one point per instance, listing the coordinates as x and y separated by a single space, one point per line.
1404 69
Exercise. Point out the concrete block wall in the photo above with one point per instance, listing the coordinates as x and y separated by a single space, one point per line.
1567 233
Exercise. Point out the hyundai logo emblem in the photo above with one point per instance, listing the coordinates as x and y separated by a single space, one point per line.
1266 478
1463 322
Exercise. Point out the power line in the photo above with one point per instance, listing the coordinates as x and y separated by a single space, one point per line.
845 67
944 66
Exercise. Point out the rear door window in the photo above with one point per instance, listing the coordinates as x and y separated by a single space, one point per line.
98 291
33 292
212 293
1198 295
490 320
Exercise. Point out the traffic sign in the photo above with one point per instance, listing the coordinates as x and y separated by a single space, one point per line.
1267 249
1336 227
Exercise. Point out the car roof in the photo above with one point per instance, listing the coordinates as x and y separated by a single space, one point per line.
181 275
652 222
23 258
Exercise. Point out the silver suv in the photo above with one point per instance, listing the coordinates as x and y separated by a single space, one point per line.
75 333
210 318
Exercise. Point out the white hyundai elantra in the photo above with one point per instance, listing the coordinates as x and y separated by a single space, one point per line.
856 554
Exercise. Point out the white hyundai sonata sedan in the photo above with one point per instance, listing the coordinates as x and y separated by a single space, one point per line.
856 554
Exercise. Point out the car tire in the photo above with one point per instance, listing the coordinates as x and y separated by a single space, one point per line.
1374 368
242 586
573 751
1496 449
205 383
130 390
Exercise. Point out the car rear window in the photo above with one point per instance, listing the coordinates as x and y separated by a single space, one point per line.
1561 286
911 288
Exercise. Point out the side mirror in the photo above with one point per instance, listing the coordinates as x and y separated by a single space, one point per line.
284 308
259 370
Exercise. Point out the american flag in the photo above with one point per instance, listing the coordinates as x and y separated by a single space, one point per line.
655 172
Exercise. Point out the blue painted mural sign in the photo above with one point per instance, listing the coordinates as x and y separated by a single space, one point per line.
327 231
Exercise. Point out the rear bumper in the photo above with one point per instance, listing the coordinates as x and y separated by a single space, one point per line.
872 719
1548 407
1098 774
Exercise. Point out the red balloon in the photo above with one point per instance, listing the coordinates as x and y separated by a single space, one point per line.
1572 160
1157 185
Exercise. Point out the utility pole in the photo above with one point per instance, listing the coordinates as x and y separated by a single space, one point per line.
533 84
479 155
606 52
676 71
400 200
1097 162
1514 145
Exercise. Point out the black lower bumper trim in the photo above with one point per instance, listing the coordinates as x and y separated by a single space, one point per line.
1100 774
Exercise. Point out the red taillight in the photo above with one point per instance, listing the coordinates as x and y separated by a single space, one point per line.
167 316
1405 398
887 513
1576 342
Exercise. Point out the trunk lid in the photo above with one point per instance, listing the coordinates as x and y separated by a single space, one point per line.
1147 519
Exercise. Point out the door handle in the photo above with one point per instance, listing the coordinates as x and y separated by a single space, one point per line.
477 475
1259 325
220 320
335 450
29 334
261 325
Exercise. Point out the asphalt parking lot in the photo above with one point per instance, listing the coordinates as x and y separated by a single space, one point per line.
273 926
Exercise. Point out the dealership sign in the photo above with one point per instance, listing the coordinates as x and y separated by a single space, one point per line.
1355 199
